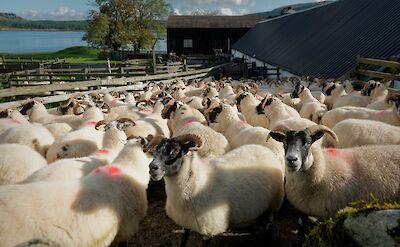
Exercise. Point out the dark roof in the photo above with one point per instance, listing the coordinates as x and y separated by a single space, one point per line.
297 7
185 21
325 41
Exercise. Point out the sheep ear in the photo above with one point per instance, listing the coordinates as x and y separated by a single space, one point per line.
189 142
277 136
152 143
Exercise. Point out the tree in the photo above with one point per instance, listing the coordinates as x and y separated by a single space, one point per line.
125 24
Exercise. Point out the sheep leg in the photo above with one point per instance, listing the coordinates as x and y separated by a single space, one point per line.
270 222
185 237
206 241
302 224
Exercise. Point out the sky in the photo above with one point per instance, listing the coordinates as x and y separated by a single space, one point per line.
78 9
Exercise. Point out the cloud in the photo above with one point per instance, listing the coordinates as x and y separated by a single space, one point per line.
229 11
61 13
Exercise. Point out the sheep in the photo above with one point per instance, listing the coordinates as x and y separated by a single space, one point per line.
81 142
32 135
58 129
363 132
152 124
278 113
74 168
210 195
250 107
106 205
225 120
17 162
389 116
11 118
178 114
319 181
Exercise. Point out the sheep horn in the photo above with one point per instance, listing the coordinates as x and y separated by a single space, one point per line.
100 123
314 128
107 108
75 109
191 138
125 120
278 128
153 142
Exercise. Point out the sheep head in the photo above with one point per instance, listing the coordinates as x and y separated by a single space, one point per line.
167 158
297 145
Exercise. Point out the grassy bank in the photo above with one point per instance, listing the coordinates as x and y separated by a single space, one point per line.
76 54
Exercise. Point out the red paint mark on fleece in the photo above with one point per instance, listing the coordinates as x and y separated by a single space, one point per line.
110 170
189 122
146 111
338 153
332 151
90 123
103 151
14 121
383 112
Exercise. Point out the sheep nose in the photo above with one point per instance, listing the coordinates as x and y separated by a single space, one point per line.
291 158
154 167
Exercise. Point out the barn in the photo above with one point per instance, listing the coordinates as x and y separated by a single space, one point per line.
202 34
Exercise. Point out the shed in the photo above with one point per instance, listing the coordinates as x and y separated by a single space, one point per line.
203 34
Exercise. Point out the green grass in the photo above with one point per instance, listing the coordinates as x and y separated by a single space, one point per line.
75 54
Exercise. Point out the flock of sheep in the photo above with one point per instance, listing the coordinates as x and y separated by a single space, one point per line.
228 150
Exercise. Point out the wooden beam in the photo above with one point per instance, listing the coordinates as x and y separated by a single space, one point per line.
379 62
59 98
104 82
376 74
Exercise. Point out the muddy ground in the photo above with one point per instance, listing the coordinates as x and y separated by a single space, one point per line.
158 230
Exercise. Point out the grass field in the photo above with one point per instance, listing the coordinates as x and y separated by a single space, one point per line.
76 54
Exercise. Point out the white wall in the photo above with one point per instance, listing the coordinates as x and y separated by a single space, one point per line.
259 63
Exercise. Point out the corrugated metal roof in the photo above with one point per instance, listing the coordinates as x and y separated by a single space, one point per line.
185 21
325 41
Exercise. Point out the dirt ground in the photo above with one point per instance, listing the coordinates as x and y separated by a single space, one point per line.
159 230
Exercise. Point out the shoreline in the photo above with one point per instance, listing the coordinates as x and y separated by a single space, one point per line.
2 29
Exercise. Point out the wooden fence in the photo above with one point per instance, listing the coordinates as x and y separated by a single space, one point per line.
373 68
86 85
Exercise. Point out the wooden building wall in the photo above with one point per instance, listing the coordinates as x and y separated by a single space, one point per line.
204 39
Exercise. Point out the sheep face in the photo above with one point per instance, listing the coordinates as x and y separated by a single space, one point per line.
297 145
297 91
167 159
169 154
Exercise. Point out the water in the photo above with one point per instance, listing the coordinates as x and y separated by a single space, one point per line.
39 41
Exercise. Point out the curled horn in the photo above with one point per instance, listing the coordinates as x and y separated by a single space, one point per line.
153 142
75 109
67 102
100 123
191 138
314 128
107 108
126 120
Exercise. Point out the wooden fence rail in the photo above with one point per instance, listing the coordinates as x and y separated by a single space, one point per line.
389 70
165 78
32 90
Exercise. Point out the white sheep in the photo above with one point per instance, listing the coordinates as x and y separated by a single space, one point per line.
32 135
58 129
249 106
81 142
225 120
105 206
319 181
210 195
17 162
11 118
389 116
74 168
360 132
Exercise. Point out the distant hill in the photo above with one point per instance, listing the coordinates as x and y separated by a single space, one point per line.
298 7
9 16
10 21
